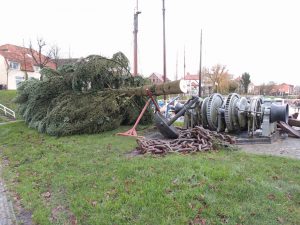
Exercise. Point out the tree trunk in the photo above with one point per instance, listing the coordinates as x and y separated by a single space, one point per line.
173 87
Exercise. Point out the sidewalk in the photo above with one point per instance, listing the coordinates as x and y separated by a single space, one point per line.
7 215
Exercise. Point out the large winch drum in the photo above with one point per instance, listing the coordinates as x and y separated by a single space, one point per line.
279 113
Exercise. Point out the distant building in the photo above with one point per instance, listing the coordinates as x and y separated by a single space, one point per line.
251 88
274 89
157 78
62 62
15 62
258 90
283 89
240 88
193 85
297 90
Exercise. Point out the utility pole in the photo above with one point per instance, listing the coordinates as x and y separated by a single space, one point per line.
164 45
184 62
69 52
135 31
200 66
176 75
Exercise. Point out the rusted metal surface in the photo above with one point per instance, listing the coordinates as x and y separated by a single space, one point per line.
196 139
294 122
132 132
295 115
287 128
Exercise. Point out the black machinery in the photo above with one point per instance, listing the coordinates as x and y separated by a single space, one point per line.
232 114
165 126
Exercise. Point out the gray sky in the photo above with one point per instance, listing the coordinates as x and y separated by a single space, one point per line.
261 37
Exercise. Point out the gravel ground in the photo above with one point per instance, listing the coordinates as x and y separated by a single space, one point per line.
289 147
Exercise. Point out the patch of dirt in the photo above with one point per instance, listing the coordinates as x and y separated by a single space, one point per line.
133 153
24 217
61 211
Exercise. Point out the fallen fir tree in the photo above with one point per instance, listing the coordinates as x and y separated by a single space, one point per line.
82 98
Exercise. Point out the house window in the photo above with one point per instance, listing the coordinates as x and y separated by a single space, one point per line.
36 68
14 65
19 80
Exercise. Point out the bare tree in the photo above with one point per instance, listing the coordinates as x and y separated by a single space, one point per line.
271 88
7 72
297 90
219 77
233 86
55 54
24 51
267 89
41 56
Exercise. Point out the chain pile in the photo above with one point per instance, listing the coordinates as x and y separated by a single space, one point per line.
196 139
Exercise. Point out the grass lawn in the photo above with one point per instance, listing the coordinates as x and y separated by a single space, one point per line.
91 180
2 119
6 98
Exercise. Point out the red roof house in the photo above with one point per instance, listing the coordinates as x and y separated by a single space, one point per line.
157 78
283 89
16 62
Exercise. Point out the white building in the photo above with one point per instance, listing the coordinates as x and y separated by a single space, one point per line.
193 85
15 63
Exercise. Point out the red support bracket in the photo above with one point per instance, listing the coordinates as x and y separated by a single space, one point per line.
132 132
149 93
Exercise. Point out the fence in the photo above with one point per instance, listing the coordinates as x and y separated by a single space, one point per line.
7 111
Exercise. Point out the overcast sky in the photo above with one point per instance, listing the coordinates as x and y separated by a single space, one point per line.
261 37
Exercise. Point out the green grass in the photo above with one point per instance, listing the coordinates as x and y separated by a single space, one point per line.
2 119
178 123
6 98
92 179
